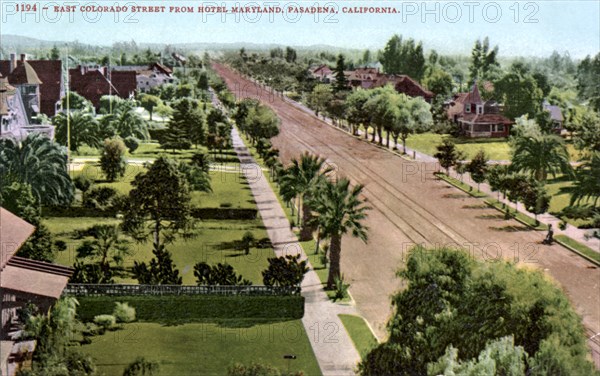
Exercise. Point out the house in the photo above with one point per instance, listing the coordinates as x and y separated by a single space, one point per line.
14 123
479 118
22 281
322 73
92 83
125 82
370 78
555 115
49 89
148 76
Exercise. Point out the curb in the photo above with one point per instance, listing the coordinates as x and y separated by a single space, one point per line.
597 263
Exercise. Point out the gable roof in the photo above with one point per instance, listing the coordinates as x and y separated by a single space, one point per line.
14 232
91 84
49 72
555 112
125 82
457 105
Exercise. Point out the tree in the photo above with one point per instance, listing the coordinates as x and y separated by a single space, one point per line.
403 57
42 164
447 154
160 195
149 102
540 154
520 94
197 178
587 80
478 167
187 123
125 121
341 83
262 122
320 97
248 241
380 107
496 178
78 128
75 102
160 271
536 199
54 53
300 180
483 61
285 271
419 120
587 135
107 242
218 275
340 210
439 82
356 113
257 369
112 160
290 55
587 181
142 367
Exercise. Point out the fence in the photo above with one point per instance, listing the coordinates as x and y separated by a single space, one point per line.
81 289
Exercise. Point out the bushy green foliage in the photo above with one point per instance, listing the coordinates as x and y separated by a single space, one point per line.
112 160
105 321
258 369
452 300
285 271
123 312
142 367
132 143
218 275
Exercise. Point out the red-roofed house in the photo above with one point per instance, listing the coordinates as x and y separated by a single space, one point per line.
370 78
91 83
125 82
321 73
49 76
482 118
22 281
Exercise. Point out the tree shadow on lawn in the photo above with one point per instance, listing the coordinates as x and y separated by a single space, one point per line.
490 216
225 323
476 206
455 195
237 245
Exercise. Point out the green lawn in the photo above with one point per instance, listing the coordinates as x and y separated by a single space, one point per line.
203 348
579 247
229 188
359 332
214 242
94 172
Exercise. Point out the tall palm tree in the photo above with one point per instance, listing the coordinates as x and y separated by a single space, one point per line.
540 154
587 182
299 181
126 122
42 164
340 210
81 128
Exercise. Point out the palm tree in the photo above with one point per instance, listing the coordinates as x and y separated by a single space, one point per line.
540 154
107 240
42 164
587 183
126 122
81 128
299 181
340 210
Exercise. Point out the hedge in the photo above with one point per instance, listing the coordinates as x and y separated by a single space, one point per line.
224 213
170 309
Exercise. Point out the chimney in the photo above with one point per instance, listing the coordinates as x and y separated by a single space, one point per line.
23 57
13 61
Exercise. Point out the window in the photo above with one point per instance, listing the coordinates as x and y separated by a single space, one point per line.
498 128
479 109
468 108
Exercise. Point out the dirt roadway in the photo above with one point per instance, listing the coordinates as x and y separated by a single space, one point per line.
410 206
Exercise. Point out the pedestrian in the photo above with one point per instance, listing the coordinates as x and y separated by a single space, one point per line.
549 236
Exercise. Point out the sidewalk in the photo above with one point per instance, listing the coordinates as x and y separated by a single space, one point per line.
333 348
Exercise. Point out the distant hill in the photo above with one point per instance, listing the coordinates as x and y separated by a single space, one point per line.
11 42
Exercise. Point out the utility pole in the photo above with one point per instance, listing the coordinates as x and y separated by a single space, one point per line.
68 111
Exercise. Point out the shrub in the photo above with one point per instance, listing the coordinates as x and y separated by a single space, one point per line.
141 367
60 245
284 271
112 161
218 275
132 143
105 321
99 198
123 312
248 241
341 288
83 183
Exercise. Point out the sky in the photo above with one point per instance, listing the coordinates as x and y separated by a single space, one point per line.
520 28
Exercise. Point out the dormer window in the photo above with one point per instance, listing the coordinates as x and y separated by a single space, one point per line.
468 108
479 109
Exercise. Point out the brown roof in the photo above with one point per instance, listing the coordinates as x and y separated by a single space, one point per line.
13 233
485 119
91 84
474 96
49 72
125 82
35 277
24 74
410 87
162 67
457 105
